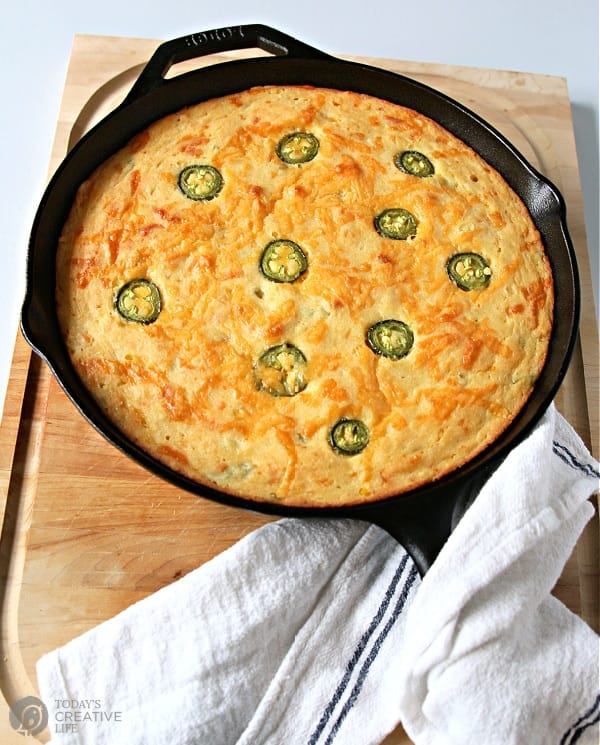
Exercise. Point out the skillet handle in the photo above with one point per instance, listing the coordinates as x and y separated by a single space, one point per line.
422 524
213 42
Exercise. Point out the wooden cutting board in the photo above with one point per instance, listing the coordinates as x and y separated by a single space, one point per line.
86 532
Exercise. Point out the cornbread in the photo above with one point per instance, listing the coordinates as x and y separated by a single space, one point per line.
304 295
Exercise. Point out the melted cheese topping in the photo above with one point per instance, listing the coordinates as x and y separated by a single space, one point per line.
183 387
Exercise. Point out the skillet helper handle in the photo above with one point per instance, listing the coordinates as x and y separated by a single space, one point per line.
216 41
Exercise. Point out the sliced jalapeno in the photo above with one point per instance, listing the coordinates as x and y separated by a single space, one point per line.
200 182
283 261
297 147
414 163
349 436
281 371
139 301
396 223
469 271
390 338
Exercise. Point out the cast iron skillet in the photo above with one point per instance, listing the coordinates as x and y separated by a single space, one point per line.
422 519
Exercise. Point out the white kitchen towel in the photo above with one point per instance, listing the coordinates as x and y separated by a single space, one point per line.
320 631
498 659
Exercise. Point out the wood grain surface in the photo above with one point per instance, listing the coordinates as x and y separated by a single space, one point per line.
85 531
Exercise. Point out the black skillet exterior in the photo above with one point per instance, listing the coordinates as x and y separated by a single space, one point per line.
422 519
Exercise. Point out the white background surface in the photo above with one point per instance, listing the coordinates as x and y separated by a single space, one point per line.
554 37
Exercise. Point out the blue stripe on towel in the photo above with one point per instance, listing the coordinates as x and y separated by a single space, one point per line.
592 715
369 658
567 457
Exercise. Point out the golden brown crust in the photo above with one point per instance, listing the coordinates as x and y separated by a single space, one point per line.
183 386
